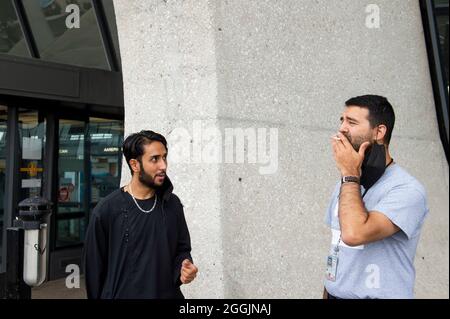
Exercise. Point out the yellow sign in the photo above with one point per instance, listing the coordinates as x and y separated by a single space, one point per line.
32 169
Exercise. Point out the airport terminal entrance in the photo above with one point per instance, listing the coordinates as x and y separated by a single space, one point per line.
61 117
70 157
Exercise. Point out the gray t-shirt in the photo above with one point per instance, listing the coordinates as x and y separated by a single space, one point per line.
385 268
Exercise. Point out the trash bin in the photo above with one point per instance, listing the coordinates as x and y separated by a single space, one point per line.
32 216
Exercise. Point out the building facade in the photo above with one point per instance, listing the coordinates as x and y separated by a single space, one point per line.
61 117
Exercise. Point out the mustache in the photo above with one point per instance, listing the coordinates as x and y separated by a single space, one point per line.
348 136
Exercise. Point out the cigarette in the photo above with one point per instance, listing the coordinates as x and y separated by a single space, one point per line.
336 137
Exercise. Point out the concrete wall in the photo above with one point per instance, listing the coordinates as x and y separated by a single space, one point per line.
169 69
288 65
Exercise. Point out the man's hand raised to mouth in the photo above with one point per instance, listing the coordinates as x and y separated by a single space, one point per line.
348 161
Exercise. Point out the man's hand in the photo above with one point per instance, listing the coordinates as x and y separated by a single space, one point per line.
347 159
188 271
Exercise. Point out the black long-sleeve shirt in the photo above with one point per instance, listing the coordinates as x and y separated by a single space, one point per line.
132 254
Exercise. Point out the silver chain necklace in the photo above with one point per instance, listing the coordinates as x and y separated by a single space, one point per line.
140 208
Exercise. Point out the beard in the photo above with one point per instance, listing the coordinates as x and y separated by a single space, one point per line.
147 179
357 141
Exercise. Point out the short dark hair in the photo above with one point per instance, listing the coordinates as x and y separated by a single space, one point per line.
133 146
380 111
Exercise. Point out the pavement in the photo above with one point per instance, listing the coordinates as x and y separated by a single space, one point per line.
57 289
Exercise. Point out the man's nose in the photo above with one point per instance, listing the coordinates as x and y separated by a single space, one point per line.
343 128
162 165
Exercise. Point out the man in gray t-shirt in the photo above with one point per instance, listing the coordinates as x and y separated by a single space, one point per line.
376 211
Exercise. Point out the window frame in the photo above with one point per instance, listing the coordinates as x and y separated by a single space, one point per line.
102 23
438 77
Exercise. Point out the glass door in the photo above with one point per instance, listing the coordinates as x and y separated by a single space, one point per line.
89 166
31 150
71 185
105 140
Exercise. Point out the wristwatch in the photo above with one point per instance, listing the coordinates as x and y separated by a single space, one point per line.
350 179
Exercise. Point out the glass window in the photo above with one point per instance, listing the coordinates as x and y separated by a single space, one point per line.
441 10
111 19
57 42
71 181
32 144
100 169
3 127
106 138
11 36
70 231
71 166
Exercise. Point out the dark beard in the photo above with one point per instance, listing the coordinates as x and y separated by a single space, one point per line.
357 141
147 179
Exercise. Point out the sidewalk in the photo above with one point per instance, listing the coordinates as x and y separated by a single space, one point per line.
57 289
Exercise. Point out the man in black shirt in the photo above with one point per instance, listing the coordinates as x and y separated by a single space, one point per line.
137 243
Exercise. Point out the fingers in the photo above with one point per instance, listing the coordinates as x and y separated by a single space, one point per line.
185 279
335 139
188 278
344 140
186 263
363 148
336 144
188 271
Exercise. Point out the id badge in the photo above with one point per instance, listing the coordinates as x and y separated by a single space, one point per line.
332 262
